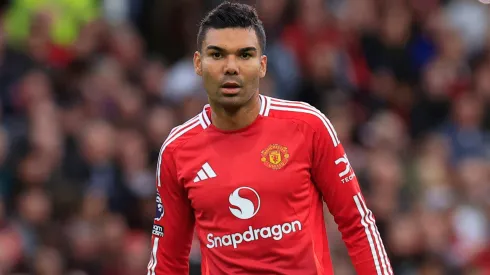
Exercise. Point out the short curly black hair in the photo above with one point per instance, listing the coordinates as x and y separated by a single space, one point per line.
232 15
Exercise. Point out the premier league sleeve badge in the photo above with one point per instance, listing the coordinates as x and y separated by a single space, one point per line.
159 208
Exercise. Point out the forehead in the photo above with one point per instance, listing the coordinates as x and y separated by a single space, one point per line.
231 38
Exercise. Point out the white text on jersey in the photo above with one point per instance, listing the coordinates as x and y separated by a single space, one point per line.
276 232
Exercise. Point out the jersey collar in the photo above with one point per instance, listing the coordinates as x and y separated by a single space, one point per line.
205 115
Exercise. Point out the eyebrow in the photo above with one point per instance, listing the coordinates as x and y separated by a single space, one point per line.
219 49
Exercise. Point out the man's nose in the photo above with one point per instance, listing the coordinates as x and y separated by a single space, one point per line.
231 66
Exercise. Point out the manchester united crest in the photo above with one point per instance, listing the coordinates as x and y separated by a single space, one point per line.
275 156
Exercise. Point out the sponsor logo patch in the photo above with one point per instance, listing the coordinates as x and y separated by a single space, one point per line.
157 230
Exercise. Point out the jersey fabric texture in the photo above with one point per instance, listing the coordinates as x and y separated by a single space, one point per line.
254 197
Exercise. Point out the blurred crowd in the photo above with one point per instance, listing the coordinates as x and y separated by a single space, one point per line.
89 90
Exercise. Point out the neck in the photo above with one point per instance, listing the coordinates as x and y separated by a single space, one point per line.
237 118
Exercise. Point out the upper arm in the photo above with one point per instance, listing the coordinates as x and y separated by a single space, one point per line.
337 182
332 172
174 222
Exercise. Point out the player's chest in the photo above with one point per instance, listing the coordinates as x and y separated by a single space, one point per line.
246 172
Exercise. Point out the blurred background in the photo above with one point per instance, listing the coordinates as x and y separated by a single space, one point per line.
89 89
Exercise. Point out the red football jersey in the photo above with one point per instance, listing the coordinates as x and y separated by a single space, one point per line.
255 197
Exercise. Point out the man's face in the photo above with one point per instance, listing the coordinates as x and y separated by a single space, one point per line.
231 64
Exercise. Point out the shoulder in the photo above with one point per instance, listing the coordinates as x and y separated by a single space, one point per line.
178 136
185 131
303 113
295 110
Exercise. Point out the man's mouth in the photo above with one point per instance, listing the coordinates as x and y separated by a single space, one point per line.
230 88
230 85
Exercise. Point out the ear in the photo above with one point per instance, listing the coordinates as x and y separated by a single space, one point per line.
263 66
197 63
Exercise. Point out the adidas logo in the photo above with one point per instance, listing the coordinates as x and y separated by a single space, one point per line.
204 173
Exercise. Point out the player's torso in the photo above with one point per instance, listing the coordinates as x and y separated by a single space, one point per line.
251 190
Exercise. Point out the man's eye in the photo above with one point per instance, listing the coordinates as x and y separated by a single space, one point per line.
216 55
245 55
